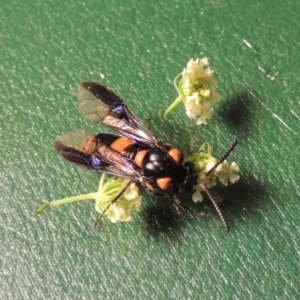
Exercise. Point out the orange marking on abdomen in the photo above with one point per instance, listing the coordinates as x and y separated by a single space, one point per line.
139 158
121 143
175 154
164 183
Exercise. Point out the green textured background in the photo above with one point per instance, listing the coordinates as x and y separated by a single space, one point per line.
48 47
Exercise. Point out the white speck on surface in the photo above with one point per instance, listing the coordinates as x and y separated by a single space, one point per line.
247 43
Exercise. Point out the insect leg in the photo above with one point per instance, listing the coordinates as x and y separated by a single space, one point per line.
178 205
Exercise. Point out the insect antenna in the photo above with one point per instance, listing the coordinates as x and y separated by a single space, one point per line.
111 203
221 160
225 155
222 217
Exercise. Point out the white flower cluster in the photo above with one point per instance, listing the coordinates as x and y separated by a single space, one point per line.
223 173
196 89
122 209
204 162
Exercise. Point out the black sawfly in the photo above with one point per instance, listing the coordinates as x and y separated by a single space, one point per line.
137 155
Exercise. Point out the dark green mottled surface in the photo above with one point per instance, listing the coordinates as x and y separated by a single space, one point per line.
48 47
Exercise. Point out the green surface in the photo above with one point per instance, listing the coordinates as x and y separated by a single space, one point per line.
48 47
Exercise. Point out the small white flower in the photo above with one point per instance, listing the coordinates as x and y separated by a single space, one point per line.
211 164
206 115
202 181
204 93
192 109
229 173
117 213
194 69
197 196
194 97
132 192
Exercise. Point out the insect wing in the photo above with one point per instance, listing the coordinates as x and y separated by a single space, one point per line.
71 146
86 150
101 105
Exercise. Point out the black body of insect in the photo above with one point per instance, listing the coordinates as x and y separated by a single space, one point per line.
137 154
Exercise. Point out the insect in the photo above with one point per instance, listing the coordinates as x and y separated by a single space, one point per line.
137 154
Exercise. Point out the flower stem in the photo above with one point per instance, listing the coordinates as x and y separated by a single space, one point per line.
65 201
178 100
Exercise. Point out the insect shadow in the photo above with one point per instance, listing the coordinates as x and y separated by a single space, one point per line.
243 198
240 200
239 111
160 218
